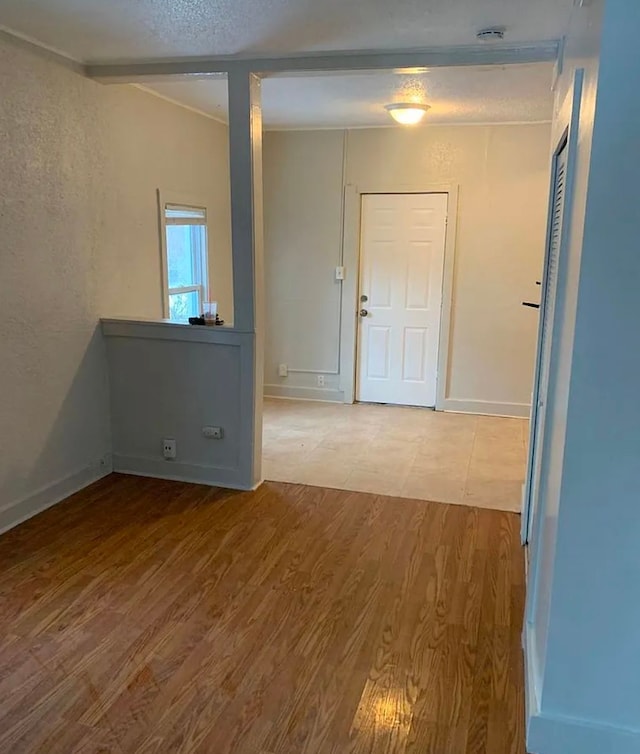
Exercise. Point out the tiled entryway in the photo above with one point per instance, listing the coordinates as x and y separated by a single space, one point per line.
391 450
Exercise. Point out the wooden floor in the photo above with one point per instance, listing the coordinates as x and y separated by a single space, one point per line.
149 616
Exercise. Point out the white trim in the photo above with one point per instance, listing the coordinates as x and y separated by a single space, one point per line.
214 476
446 124
531 674
486 408
20 510
448 280
52 53
166 198
176 102
351 245
348 60
555 734
323 395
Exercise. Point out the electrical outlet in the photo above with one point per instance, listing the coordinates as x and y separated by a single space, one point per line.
213 433
321 380
169 448
283 370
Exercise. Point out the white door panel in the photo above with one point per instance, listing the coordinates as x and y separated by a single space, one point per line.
543 363
401 273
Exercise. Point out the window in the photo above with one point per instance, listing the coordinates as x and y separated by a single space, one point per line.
185 261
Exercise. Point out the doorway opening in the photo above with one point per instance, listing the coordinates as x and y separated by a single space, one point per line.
399 358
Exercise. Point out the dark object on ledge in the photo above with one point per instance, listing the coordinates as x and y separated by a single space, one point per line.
202 321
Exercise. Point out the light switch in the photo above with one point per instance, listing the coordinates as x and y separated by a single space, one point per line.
340 273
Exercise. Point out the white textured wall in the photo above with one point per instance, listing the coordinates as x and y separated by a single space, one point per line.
503 178
79 167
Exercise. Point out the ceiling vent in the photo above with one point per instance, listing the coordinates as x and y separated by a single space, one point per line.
493 34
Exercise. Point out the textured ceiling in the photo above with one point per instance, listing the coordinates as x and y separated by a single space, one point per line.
483 94
114 30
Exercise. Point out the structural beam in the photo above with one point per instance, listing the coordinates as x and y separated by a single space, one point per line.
245 162
139 72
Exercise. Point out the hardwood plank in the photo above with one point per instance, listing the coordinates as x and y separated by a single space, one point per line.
150 616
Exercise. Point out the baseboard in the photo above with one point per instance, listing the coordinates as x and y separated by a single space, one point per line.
214 476
16 512
486 408
327 395
554 734
549 733
531 676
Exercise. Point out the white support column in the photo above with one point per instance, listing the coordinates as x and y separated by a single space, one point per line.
245 153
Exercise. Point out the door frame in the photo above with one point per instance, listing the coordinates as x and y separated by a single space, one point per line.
566 136
350 258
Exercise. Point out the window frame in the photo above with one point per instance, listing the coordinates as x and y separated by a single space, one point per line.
168 200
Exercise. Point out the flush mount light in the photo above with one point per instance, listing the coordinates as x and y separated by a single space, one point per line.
407 113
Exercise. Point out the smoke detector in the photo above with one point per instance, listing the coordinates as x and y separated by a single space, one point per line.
492 34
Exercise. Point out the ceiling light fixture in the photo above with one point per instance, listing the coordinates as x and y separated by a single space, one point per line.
407 113
492 34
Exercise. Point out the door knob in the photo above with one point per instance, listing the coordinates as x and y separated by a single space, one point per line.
363 312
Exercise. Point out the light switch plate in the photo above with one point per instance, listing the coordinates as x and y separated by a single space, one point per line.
340 273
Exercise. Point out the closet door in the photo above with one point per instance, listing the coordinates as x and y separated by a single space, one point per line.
543 363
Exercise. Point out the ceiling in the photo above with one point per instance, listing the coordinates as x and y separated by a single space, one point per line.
119 30
469 95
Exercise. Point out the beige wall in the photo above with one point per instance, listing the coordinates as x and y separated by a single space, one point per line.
503 178
147 144
80 166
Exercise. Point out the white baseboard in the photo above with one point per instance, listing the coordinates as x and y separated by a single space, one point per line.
328 395
554 734
549 733
214 476
20 510
531 676
486 408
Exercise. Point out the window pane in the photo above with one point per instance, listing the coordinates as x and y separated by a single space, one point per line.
180 256
183 305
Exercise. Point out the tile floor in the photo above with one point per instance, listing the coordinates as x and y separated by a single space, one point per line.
392 450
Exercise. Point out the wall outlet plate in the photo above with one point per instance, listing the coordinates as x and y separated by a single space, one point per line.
169 448
283 370
321 380
213 433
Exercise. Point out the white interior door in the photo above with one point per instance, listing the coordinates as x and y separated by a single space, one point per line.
539 403
401 272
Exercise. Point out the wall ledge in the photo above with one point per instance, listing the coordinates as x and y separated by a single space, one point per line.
163 329
19 511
